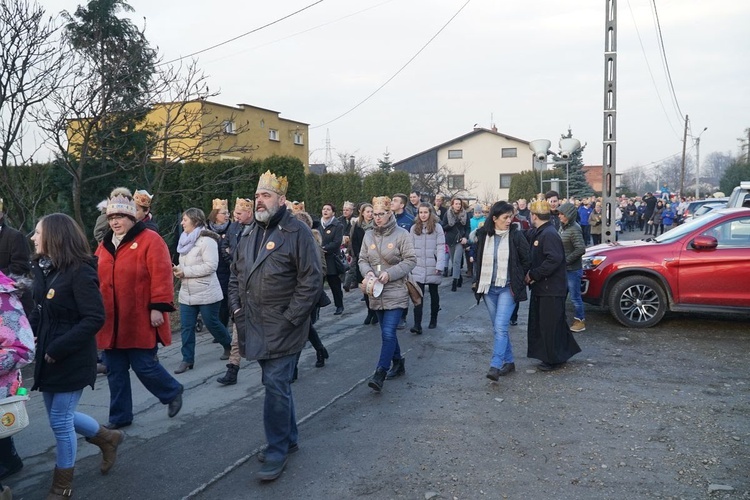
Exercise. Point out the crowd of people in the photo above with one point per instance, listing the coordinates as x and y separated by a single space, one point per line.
256 279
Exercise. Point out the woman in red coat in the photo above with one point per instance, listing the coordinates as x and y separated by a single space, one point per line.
135 275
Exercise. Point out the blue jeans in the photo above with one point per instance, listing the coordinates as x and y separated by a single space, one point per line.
152 375
457 253
389 350
65 421
500 304
210 315
279 420
574 291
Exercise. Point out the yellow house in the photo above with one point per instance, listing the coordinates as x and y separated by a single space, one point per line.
205 131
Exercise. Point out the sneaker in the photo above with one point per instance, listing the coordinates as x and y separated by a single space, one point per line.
293 448
271 470
578 325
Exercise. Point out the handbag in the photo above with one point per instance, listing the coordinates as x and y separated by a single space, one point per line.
13 415
341 265
414 291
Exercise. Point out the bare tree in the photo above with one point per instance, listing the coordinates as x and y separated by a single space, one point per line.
439 182
636 179
31 65
350 163
188 131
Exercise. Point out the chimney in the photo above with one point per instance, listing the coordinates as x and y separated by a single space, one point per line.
494 128
351 162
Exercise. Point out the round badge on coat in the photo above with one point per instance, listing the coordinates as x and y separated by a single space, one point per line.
372 247
134 246
536 243
270 245
390 245
51 293
328 231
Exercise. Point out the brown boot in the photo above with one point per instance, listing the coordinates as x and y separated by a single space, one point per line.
62 484
108 441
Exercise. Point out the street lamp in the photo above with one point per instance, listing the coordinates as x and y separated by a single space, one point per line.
698 163
540 147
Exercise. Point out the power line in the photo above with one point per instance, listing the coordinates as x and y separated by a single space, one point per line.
255 30
651 74
301 32
397 72
666 63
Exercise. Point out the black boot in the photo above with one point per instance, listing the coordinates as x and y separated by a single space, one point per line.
230 377
10 462
370 317
397 369
460 281
374 318
322 355
454 285
433 323
377 379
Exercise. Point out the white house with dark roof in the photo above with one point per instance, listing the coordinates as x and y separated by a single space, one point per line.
480 163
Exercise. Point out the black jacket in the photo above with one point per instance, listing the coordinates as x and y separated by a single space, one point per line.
14 251
548 263
519 260
332 235
69 312
454 233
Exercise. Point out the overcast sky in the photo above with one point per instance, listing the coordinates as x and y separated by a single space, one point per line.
533 67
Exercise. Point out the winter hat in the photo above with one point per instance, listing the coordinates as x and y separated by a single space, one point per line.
568 210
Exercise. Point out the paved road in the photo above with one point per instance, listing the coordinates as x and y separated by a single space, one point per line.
639 413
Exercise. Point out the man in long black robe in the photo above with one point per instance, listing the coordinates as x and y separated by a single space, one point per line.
549 336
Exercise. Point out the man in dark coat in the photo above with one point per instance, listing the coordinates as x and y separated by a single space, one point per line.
650 201
550 340
276 281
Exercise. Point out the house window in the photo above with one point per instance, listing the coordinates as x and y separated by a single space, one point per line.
298 138
509 153
505 180
455 182
262 123
228 127
273 134
455 154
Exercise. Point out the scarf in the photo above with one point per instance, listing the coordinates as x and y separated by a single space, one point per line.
327 223
490 259
218 228
187 240
453 218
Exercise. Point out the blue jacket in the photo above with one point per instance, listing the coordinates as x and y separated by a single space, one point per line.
583 214
405 220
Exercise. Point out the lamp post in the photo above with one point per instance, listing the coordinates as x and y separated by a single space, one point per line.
540 147
698 163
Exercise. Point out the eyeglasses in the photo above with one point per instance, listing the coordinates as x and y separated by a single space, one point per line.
115 217
380 214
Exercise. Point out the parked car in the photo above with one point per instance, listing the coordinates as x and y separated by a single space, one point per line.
704 209
702 265
740 196
695 205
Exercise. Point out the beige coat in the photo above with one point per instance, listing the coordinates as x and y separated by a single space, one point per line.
388 248
200 286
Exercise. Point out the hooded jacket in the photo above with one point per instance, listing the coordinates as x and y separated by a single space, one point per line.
430 252
200 285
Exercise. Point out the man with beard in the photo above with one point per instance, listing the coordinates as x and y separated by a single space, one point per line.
276 280
243 217
550 340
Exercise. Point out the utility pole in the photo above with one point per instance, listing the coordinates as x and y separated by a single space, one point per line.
697 167
609 142
682 170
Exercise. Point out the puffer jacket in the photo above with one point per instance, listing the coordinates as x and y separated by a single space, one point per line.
572 238
272 294
200 285
388 248
430 251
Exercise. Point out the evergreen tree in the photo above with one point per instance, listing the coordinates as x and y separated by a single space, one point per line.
577 184
385 164
739 171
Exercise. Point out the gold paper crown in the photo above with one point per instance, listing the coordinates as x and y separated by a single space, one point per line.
244 204
270 182
142 198
121 205
486 207
540 205
382 203
298 206
219 204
